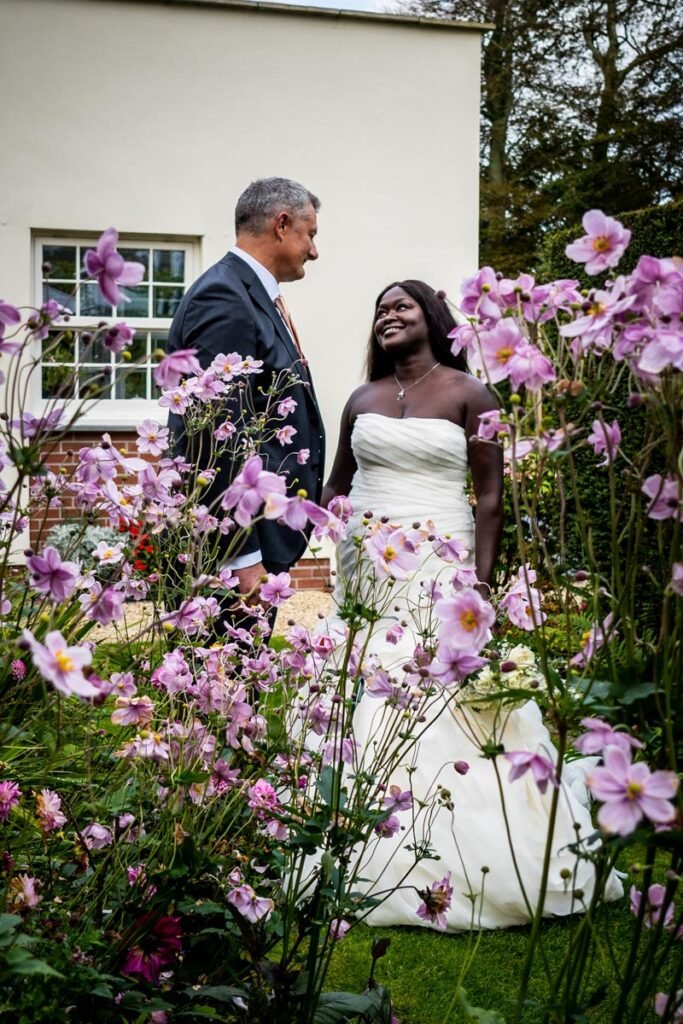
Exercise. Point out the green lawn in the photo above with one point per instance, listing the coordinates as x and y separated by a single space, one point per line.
421 967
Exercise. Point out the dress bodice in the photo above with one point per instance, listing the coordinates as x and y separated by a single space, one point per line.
409 468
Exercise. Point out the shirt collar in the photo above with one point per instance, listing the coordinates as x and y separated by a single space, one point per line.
265 277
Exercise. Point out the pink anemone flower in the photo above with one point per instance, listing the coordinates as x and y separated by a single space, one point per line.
631 792
602 246
110 269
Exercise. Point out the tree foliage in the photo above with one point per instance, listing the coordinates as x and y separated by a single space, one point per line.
581 108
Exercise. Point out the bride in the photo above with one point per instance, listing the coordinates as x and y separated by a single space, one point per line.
404 453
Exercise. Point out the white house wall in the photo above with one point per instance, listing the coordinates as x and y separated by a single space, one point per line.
153 117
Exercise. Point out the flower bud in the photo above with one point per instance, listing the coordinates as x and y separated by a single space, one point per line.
581 576
461 767
634 400
515 399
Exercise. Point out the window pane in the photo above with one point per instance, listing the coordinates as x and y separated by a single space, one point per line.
58 382
169 265
131 384
92 303
94 382
62 260
139 302
166 301
136 350
59 347
61 293
137 256
93 351
158 339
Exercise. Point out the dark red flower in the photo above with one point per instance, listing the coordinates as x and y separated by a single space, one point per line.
157 947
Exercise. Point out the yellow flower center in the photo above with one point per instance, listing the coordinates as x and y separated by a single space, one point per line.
601 244
596 309
468 621
389 554
503 354
64 662
108 553
633 790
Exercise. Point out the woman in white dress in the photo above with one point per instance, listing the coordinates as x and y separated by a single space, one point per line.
407 444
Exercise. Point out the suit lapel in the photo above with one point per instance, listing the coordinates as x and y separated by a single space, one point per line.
260 297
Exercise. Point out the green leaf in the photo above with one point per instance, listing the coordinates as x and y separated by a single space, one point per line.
633 693
325 782
201 1011
337 1007
20 961
189 777
8 923
221 993
476 1013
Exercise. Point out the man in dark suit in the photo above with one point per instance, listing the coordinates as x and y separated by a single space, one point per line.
235 306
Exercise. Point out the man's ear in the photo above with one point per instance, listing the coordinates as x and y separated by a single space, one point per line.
281 223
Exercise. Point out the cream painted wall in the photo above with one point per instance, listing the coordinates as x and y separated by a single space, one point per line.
153 117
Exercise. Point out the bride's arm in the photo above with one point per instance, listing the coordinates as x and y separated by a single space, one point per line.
486 464
344 465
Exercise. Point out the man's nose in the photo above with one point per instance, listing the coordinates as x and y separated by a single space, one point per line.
313 252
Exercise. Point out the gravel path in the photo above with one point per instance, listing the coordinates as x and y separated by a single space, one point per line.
304 608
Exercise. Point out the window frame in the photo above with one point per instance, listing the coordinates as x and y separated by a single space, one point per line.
111 413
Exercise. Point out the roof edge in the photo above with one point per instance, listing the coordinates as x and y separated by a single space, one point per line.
325 12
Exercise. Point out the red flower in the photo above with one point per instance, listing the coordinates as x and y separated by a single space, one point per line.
156 949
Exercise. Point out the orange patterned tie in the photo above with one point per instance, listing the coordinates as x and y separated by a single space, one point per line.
282 309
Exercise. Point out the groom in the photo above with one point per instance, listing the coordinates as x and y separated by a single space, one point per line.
235 306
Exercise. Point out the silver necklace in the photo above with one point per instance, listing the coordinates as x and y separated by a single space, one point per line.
403 388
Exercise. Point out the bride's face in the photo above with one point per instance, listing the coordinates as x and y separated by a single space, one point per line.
400 322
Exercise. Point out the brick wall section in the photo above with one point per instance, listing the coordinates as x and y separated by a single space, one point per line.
308 574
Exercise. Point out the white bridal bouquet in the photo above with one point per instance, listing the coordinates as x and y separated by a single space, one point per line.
516 670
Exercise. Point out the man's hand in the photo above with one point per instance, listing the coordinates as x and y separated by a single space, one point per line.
250 579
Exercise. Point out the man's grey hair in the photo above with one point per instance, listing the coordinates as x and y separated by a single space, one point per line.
264 198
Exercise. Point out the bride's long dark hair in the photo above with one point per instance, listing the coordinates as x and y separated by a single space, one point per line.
440 323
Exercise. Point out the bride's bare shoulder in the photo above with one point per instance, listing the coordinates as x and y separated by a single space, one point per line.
366 397
468 387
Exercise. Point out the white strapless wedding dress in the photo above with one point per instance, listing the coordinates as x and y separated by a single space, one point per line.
414 470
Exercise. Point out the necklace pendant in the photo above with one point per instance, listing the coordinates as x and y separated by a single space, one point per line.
401 395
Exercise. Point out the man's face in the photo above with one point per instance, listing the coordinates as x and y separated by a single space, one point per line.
297 244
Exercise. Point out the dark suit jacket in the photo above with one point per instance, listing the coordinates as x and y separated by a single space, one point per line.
228 310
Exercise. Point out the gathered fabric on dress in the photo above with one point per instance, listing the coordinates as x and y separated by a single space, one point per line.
414 470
